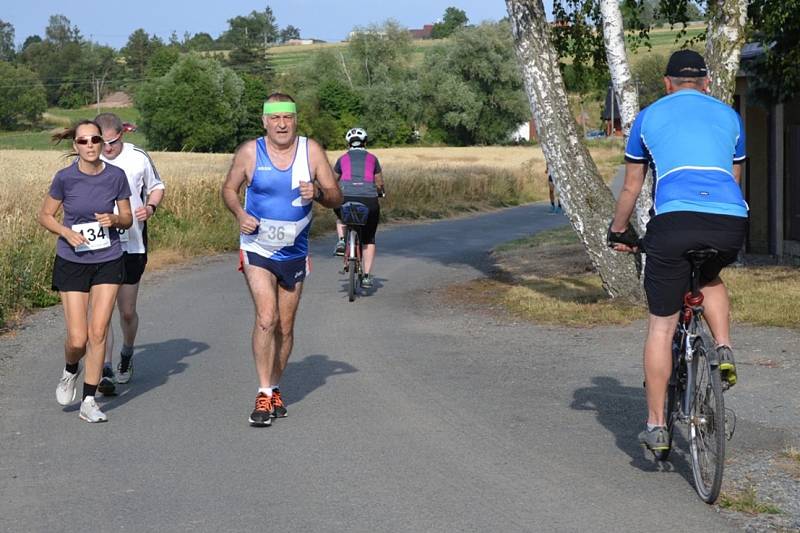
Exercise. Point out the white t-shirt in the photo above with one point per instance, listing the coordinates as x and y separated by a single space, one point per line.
142 179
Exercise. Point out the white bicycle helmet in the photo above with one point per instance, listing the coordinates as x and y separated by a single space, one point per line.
356 137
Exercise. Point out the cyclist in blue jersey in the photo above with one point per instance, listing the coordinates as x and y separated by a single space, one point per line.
282 173
361 179
695 147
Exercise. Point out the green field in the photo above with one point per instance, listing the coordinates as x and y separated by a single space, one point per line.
286 58
56 118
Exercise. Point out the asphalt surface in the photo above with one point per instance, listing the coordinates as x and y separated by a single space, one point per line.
406 413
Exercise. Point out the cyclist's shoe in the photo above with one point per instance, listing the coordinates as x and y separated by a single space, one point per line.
552 209
278 407
125 369
261 415
339 247
727 367
559 210
90 412
106 386
65 391
656 439
366 282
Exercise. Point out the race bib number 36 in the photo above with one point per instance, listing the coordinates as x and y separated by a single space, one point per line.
277 233
94 233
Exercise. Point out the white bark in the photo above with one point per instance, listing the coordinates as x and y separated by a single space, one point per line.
724 39
586 199
627 95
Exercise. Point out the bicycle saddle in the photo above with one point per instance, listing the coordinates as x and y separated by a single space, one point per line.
701 256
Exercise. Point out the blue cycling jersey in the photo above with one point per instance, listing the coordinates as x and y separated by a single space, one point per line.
691 141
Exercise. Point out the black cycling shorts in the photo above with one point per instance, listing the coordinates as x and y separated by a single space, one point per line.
366 232
134 267
69 276
669 236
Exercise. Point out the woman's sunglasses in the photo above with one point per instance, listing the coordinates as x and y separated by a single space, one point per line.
94 139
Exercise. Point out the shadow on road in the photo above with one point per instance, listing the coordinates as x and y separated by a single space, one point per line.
303 377
153 365
621 410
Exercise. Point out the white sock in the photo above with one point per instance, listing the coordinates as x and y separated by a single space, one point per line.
89 398
651 427
266 390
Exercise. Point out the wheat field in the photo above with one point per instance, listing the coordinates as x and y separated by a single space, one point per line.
421 182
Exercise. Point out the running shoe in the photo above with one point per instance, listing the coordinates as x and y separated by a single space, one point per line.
656 439
559 210
366 282
106 386
552 209
727 366
125 369
278 407
65 391
261 415
90 412
339 247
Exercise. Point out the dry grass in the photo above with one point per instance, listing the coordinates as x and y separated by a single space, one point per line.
422 183
764 295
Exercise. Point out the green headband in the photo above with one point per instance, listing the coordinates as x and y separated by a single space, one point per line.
271 108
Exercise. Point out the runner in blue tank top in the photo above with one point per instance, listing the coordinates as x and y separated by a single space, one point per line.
695 146
282 174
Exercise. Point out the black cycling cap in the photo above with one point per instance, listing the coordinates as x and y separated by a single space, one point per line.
686 64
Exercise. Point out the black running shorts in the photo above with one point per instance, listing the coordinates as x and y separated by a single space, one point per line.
366 232
669 236
134 267
80 277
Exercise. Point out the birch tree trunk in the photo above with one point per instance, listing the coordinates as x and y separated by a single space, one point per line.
586 199
724 39
627 94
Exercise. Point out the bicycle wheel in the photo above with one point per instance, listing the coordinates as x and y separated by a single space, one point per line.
351 288
706 425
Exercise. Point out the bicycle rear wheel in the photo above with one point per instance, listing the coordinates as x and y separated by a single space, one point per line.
351 288
707 424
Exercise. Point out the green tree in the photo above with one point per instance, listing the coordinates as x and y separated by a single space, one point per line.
379 53
29 40
453 20
197 106
200 41
22 97
255 92
138 51
61 32
289 32
256 29
253 61
7 51
161 61
775 75
472 87
649 76
391 112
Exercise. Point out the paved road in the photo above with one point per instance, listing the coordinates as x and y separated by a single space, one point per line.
405 413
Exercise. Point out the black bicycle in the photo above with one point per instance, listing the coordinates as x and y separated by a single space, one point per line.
694 393
354 216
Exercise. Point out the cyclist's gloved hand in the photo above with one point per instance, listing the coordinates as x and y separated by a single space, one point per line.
629 237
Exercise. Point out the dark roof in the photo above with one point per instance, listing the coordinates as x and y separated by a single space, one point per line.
424 33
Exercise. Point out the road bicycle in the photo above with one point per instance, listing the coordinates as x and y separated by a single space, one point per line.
354 217
694 393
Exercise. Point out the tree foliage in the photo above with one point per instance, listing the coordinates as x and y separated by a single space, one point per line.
472 87
22 97
256 29
197 106
138 51
379 53
289 32
453 20
7 51
649 75
775 76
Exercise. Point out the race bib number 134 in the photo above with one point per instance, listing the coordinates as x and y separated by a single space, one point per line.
96 235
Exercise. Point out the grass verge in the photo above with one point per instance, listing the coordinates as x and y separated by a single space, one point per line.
746 501
547 278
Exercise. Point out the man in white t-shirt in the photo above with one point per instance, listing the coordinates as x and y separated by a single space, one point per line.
147 190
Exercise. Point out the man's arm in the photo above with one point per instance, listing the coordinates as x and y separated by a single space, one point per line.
326 188
738 169
243 159
634 179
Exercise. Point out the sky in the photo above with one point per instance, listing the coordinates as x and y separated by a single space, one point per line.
111 22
